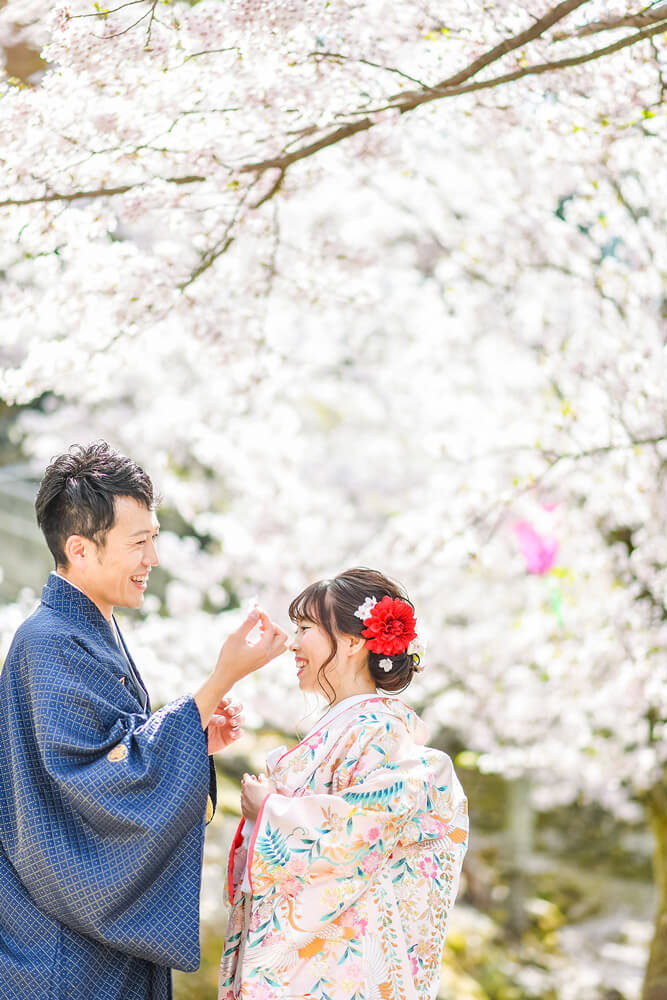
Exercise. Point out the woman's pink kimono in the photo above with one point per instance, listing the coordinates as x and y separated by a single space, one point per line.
353 869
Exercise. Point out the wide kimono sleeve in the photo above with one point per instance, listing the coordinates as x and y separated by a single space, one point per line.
322 851
110 806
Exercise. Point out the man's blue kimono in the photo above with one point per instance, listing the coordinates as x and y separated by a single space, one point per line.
102 814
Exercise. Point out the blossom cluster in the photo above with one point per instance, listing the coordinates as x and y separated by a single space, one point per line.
435 347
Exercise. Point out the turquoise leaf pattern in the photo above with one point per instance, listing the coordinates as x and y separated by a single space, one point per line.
381 796
273 845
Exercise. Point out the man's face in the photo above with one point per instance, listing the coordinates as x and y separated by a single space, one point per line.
115 574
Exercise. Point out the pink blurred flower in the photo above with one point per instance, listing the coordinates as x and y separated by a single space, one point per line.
288 887
538 551
431 825
297 865
371 862
258 991
61 17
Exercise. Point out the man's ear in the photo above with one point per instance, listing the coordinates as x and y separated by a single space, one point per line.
76 548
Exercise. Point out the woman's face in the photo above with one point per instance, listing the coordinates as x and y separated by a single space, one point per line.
311 647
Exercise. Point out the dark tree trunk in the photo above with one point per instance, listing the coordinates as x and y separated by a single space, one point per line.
655 981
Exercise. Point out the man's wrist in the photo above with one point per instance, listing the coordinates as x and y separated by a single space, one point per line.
225 674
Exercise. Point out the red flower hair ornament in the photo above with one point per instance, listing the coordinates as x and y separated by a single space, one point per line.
389 625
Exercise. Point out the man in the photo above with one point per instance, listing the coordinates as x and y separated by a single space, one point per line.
103 804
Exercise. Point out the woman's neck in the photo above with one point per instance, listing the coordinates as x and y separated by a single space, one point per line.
349 690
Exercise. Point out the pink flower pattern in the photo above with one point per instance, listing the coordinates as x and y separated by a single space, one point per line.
429 868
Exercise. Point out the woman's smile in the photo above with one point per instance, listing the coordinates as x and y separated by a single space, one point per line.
300 665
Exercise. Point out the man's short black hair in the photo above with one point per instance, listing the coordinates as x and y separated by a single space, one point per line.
77 494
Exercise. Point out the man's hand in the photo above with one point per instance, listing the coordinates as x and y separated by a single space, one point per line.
253 792
225 725
239 656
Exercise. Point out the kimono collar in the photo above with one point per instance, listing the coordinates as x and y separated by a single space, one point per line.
60 595
314 748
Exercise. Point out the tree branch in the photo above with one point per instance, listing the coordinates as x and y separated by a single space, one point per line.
405 102
210 257
97 192
538 28
453 86
275 187
283 162
223 244
408 102
553 458
639 20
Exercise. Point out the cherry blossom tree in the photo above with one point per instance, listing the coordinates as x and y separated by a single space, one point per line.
371 283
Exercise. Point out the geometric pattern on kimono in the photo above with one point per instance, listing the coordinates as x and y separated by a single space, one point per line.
354 866
102 814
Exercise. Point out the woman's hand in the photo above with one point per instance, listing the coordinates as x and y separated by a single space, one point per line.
253 792
225 725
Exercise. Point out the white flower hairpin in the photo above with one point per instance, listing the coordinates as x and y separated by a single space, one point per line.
416 650
364 610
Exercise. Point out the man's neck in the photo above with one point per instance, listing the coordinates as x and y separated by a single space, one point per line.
106 612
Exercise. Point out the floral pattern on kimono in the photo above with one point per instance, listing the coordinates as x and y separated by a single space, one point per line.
354 866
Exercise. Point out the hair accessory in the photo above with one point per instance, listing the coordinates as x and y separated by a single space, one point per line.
389 625
416 650
385 665
364 610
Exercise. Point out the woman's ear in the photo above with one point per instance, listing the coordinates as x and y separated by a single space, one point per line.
354 644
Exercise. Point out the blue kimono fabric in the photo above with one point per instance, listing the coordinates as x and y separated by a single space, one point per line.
102 814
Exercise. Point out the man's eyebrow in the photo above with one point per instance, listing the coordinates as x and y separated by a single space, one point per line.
146 531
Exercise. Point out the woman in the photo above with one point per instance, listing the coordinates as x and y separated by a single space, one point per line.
343 873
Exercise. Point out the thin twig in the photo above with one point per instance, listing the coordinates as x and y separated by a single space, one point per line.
367 62
124 31
210 52
105 13
223 244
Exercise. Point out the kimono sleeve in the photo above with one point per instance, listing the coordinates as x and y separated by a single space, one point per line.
109 833
325 849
